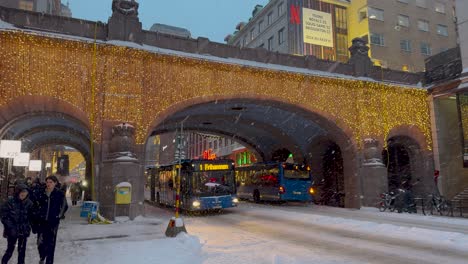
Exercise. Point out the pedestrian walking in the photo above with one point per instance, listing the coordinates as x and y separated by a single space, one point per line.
75 193
16 215
50 208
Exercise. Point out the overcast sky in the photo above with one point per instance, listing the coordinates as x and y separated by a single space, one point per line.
213 19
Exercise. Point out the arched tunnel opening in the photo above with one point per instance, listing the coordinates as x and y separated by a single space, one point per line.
59 141
249 131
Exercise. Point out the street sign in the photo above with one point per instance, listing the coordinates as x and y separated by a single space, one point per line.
35 165
22 160
10 148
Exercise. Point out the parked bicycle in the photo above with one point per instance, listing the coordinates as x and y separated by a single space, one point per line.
387 201
438 204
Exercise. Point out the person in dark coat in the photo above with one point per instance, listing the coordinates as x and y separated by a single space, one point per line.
50 208
16 214
75 193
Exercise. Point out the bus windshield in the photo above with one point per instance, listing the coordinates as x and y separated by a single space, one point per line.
296 174
210 183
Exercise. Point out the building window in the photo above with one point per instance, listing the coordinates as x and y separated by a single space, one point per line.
405 45
377 39
440 7
225 142
252 34
442 30
362 14
377 14
341 18
260 26
421 3
423 25
210 145
425 48
270 18
281 36
244 42
26 5
216 144
270 43
280 9
403 21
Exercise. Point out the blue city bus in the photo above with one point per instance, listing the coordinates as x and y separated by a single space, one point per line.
274 181
204 184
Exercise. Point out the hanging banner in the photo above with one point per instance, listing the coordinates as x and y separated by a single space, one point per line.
22 160
317 27
10 148
63 165
35 165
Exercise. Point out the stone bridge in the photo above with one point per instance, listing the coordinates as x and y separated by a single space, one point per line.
69 81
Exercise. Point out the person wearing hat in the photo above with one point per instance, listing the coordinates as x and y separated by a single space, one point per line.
16 214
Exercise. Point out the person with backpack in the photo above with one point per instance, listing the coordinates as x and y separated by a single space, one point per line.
16 217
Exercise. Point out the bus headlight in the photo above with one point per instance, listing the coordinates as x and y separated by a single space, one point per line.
235 200
196 204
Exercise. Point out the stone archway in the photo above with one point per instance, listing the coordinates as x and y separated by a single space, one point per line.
408 156
270 125
42 121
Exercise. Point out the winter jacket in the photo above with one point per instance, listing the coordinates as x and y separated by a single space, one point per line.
75 191
16 216
50 209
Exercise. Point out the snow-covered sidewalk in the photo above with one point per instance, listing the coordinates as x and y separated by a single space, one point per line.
138 241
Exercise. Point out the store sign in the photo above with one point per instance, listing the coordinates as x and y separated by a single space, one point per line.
209 155
10 148
35 165
317 27
295 15
22 160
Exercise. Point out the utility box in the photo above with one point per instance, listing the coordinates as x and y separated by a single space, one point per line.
123 193
89 209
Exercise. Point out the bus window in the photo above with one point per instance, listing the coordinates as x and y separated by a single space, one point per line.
296 174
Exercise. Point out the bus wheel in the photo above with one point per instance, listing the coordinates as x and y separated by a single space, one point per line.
256 196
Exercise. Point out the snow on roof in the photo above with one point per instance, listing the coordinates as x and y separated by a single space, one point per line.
124 184
4 26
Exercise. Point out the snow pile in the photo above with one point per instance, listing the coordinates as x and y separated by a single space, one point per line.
182 249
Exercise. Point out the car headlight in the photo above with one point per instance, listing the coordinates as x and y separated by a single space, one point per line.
196 204
235 200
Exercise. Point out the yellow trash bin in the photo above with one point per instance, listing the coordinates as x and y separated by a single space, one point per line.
123 193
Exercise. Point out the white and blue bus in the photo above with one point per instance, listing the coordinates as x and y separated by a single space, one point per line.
204 184
274 181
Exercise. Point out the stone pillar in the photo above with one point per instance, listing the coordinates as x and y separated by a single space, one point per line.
374 178
121 165
124 23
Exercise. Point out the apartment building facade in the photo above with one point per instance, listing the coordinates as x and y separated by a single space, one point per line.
401 33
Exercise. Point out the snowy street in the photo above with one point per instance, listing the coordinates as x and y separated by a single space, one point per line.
276 234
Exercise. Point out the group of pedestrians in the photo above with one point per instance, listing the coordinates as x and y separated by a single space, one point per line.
37 208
